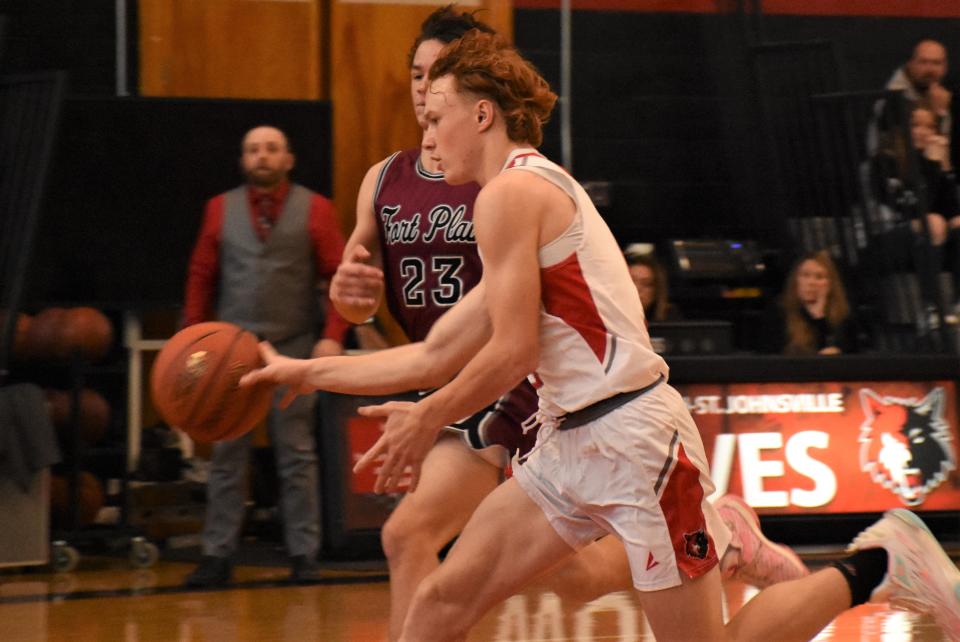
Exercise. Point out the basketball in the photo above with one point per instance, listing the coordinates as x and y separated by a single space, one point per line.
93 420
90 499
20 336
194 382
86 331
17 341
43 340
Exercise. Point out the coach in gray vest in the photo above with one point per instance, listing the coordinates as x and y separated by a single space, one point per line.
262 250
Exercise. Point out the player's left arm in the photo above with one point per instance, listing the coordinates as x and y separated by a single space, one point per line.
430 363
507 222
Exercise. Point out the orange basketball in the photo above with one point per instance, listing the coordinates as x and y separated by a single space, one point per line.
93 420
19 337
87 331
195 378
90 499
44 336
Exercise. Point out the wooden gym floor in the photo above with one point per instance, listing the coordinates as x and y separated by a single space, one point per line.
105 600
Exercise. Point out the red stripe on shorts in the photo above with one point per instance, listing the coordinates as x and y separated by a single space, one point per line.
680 502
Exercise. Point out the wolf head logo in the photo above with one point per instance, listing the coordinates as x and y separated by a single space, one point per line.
696 544
905 444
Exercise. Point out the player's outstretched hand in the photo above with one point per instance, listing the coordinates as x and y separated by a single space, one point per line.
292 373
356 283
404 443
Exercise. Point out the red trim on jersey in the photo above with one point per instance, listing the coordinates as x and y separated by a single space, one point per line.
513 163
566 295
681 500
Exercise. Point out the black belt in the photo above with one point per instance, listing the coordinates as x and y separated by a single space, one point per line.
598 409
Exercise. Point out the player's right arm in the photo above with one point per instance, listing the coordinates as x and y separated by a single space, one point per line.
356 289
453 340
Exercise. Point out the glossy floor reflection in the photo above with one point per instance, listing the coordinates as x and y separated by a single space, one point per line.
106 601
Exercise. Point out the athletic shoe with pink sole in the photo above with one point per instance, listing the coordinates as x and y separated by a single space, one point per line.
920 577
757 560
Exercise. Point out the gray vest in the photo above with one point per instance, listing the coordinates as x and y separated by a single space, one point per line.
268 287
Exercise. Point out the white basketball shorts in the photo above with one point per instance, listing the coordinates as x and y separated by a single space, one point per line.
639 473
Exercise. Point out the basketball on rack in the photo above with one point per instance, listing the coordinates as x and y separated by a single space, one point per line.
93 419
86 331
44 337
17 341
20 336
90 499
194 382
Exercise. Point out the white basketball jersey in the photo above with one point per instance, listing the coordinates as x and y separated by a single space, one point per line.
593 338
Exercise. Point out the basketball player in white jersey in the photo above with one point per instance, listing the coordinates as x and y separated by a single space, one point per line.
617 452
407 189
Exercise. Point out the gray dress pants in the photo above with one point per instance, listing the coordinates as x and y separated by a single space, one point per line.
291 433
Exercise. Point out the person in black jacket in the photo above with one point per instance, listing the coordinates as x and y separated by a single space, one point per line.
927 206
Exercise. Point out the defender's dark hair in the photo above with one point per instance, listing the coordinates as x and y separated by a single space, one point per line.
446 25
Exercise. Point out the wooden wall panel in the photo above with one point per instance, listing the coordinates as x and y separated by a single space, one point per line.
232 48
369 83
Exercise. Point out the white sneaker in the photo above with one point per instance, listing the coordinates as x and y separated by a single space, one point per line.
759 561
920 577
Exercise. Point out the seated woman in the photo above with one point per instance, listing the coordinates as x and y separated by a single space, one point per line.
812 315
927 203
651 281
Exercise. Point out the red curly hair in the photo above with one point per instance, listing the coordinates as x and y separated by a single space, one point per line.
485 65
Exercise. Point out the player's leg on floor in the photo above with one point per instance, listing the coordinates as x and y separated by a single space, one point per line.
691 611
507 542
896 560
794 610
597 569
453 481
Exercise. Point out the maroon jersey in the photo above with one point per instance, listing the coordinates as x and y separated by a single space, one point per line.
430 261
426 236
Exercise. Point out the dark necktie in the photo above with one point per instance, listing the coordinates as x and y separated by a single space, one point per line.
264 218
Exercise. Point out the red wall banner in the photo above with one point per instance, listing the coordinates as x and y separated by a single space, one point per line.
841 447
808 448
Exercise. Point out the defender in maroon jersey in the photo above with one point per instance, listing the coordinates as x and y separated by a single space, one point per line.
413 246
427 247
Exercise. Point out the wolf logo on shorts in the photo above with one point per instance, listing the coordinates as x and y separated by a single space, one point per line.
696 544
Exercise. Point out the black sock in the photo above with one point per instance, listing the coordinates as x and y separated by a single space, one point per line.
864 570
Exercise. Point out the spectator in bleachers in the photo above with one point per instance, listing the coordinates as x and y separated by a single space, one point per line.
926 201
651 281
812 315
920 79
